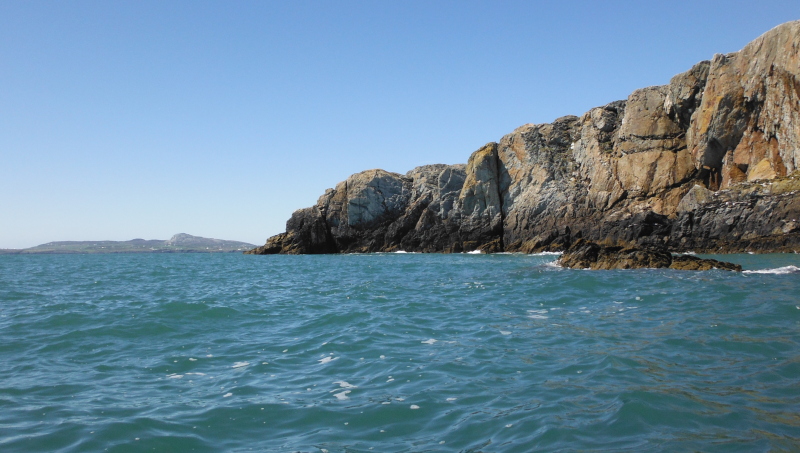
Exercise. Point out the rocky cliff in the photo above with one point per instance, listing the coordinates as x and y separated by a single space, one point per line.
709 162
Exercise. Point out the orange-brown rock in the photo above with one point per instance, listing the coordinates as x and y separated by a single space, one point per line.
708 162
588 255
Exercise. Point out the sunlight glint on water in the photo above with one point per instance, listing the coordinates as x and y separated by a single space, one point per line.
394 352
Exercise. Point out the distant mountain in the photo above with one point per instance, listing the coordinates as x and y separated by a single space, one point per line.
180 243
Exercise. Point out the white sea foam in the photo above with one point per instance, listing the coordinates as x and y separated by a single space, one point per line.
431 341
451 399
327 359
227 395
538 311
547 254
538 316
345 385
505 332
777 271
240 364
341 396
474 252
414 406
192 359
174 376
390 380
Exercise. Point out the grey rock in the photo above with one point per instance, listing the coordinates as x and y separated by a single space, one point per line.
708 162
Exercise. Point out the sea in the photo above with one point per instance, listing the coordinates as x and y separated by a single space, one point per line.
395 352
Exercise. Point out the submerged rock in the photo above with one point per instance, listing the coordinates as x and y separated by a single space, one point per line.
709 162
589 255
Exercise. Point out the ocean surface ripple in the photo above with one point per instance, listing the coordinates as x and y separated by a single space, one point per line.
395 353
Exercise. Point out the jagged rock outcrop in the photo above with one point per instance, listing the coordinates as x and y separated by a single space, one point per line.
693 263
709 162
589 255
761 216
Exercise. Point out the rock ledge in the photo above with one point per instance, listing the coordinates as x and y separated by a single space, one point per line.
709 163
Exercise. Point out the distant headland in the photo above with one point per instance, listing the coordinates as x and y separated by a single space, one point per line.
179 243
707 163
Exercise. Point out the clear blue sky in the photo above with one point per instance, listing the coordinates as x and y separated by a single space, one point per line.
126 119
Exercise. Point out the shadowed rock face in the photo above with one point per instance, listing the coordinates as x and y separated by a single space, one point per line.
709 162
588 255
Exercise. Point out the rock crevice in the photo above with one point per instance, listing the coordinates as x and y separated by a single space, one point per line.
709 163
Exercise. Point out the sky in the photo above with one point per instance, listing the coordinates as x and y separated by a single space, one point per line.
143 119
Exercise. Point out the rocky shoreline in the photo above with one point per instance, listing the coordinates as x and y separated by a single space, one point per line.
708 163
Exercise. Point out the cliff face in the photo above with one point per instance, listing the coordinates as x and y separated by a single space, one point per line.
709 162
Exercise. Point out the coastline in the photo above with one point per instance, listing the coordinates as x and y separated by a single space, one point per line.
709 163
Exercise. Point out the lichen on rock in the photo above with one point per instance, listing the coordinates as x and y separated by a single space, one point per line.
589 255
709 162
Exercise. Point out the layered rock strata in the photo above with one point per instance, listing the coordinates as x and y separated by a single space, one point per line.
708 163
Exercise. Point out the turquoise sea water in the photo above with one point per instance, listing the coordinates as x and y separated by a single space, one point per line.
395 353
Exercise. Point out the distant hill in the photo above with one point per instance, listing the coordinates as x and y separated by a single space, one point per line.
180 243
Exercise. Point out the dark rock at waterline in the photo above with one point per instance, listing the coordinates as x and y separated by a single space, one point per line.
708 163
693 263
589 255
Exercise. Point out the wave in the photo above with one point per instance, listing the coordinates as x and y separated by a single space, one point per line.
777 270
